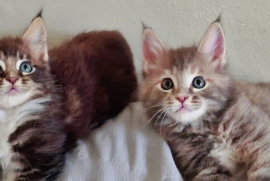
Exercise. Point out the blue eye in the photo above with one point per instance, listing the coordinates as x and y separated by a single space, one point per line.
25 67
198 82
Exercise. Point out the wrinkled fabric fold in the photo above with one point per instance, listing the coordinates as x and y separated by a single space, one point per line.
125 149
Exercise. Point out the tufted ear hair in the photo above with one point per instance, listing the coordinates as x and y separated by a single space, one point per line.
36 38
153 49
213 43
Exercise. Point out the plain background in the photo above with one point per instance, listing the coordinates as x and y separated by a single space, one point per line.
177 22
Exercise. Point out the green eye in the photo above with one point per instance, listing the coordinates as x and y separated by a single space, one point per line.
25 67
198 82
167 84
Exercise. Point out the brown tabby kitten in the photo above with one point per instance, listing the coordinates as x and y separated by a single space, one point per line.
98 77
217 128
32 140
97 74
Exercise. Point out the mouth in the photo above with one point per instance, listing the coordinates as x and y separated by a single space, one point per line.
182 108
12 91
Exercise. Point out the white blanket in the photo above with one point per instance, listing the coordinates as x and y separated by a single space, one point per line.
124 149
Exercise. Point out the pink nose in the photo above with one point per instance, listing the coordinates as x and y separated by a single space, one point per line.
12 80
182 99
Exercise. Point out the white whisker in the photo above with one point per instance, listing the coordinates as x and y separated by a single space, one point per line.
155 115
153 106
162 122
163 111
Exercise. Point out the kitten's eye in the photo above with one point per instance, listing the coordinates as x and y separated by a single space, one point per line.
198 82
2 66
167 84
25 67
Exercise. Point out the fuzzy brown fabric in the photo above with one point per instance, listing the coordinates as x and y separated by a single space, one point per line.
98 77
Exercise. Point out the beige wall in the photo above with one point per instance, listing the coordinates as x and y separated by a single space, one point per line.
177 22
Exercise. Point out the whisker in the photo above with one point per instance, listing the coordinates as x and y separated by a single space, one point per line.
153 106
163 111
166 103
154 115
160 114
162 122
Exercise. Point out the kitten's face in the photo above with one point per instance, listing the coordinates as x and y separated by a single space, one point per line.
23 67
185 84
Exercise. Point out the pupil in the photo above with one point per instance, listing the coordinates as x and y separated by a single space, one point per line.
167 84
26 67
199 82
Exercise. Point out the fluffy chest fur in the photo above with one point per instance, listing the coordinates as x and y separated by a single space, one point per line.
236 147
32 139
229 139
10 120
244 130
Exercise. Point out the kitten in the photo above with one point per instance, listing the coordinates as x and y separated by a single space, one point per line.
98 77
38 123
217 128
32 140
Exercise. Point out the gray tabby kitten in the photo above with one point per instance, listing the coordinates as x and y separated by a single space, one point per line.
217 128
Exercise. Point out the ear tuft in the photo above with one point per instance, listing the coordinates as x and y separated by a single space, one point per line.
144 26
153 49
218 20
36 38
39 15
213 43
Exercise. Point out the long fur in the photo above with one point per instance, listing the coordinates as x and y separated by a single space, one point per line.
32 139
229 138
98 77
88 80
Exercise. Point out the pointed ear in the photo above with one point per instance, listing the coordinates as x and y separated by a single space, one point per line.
36 38
213 43
153 49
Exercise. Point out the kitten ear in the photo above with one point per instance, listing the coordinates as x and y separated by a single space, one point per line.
36 38
153 49
213 43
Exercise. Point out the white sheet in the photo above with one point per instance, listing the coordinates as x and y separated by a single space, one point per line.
124 149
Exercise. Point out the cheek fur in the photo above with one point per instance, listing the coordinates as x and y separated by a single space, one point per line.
4 86
28 87
215 97
152 97
25 80
195 102
24 85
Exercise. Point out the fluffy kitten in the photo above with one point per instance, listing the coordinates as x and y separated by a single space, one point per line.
32 140
38 123
98 77
217 128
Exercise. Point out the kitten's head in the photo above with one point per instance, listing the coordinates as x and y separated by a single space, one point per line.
185 84
24 71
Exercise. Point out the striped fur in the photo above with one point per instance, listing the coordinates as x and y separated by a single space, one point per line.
32 140
230 138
